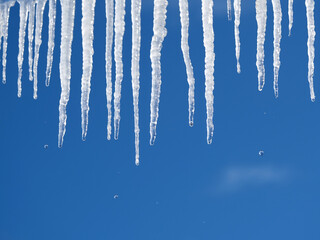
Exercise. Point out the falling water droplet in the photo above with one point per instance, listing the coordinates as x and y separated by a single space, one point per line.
46 146
261 153
116 196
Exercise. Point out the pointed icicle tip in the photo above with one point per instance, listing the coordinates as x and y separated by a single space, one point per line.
137 162
84 137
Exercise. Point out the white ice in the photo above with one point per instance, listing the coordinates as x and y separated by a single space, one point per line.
290 15
32 9
51 37
119 26
237 14
229 7
184 18
4 24
88 7
159 33
67 24
109 43
23 13
261 17
37 43
311 38
208 40
136 43
277 18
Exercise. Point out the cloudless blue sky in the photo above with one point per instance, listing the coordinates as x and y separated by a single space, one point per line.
183 188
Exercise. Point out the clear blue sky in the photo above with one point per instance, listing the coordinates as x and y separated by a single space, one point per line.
183 188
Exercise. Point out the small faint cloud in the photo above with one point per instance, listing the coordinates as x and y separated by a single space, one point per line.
238 178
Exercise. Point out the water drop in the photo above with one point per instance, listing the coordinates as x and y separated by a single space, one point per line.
46 146
261 153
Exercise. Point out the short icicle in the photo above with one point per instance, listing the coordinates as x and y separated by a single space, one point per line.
184 18
109 43
23 13
261 17
237 14
290 15
32 9
159 33
119 26
135 61
311 39
229 8
67 24
5 13
208 40
277 18
51 37
37 43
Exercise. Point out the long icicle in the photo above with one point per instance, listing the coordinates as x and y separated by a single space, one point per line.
290 15
159 33
135 61
208 41
229 8
51 37
277 18
311 39
119 26
184 18
88 7
32 9
109 43
37 43
237 14
5 9
261 17
23 13
67 24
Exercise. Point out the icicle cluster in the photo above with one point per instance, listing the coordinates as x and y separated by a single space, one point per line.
31 16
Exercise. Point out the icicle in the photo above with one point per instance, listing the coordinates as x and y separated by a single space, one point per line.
229 7
261 17
277 18
311 38
119 25
237 13
159 33
88 7
208 40
37 43
52 22
109 42
67 23
184 17
5 13
136 43
23 13
290 15
32 9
